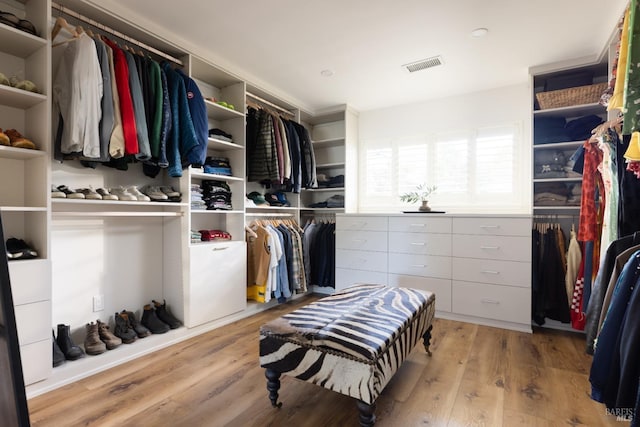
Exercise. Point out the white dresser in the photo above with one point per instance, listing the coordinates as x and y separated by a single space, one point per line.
479 266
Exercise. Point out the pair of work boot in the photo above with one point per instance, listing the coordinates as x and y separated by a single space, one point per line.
63 346
100 339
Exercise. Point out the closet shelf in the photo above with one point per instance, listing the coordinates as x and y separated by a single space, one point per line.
553 145
215 212
330 142
576 110
19 98
93 203
554 324
324 190
195 173
102 214
557 208
19 43
322 209
266 208
19 153
218 112
330 165
22 209
220 145
577 179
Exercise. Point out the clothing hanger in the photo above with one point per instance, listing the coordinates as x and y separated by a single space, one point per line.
249 231
60 24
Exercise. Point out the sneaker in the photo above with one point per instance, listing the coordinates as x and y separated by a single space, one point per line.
137 194
56 193
150 321
122 194
105 194
139 328
69 193
89 193
18 249
123 329
173 195
92 343
155 193
164 315
107 336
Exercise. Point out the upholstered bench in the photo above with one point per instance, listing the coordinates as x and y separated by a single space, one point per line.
351 342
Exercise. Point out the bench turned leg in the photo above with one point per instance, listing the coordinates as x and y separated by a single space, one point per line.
367 413
427 340
273 385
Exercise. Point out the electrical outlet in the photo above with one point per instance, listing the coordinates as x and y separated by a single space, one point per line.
98 303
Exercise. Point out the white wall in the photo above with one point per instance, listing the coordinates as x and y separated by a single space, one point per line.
510 104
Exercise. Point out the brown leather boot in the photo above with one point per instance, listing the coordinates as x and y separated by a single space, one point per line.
107 336
92 343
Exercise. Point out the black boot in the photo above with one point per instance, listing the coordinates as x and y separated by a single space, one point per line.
140 329
164 315
151 321
123 329
70 350
58 355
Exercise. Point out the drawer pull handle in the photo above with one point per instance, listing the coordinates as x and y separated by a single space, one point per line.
359 240
418 243
361 260
418 265
490 272
358 224
219 249
489 226
489 301
493 248
417 225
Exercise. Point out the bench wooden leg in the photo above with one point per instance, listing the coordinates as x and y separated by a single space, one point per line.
367 413
273 385
427 340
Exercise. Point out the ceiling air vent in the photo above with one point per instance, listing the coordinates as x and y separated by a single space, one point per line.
423 64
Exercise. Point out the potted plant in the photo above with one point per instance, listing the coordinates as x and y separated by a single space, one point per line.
421 194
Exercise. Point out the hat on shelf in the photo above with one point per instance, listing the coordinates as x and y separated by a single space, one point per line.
257 198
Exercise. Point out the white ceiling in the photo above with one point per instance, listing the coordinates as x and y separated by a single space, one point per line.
283 45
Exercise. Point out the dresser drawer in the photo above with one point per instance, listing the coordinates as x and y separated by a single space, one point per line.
36 360
33 322
510 248
361 260
364 240
420 265
420 224
440 287
346 278
492 226
30 281
506 303
509 273
373 223
420 243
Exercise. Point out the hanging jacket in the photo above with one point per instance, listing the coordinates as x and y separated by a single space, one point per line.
144 151
198 110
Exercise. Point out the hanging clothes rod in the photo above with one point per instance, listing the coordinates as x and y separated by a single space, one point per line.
552 217
115 33
269 103
271 215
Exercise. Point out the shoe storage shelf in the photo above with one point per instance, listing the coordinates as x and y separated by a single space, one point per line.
24 196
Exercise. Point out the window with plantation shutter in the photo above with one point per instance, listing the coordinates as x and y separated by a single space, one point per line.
474 170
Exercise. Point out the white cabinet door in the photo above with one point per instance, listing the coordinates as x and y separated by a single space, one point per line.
362 240
218 284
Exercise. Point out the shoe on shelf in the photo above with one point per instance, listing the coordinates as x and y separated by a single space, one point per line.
107 336
92 343
170 192
105 194
19 141
18 249
139 328
123 194
123 329
4 139
164 315
137 194
58 355
150 321
56 193
154 193
70 193
89 193
66 344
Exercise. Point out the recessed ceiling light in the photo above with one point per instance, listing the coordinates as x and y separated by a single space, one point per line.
326 73
479 32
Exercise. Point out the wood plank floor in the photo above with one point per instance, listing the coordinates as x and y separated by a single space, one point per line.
478 376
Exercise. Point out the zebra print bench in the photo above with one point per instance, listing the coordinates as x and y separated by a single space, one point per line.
351 342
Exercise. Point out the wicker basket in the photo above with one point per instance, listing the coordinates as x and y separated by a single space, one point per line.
572 96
